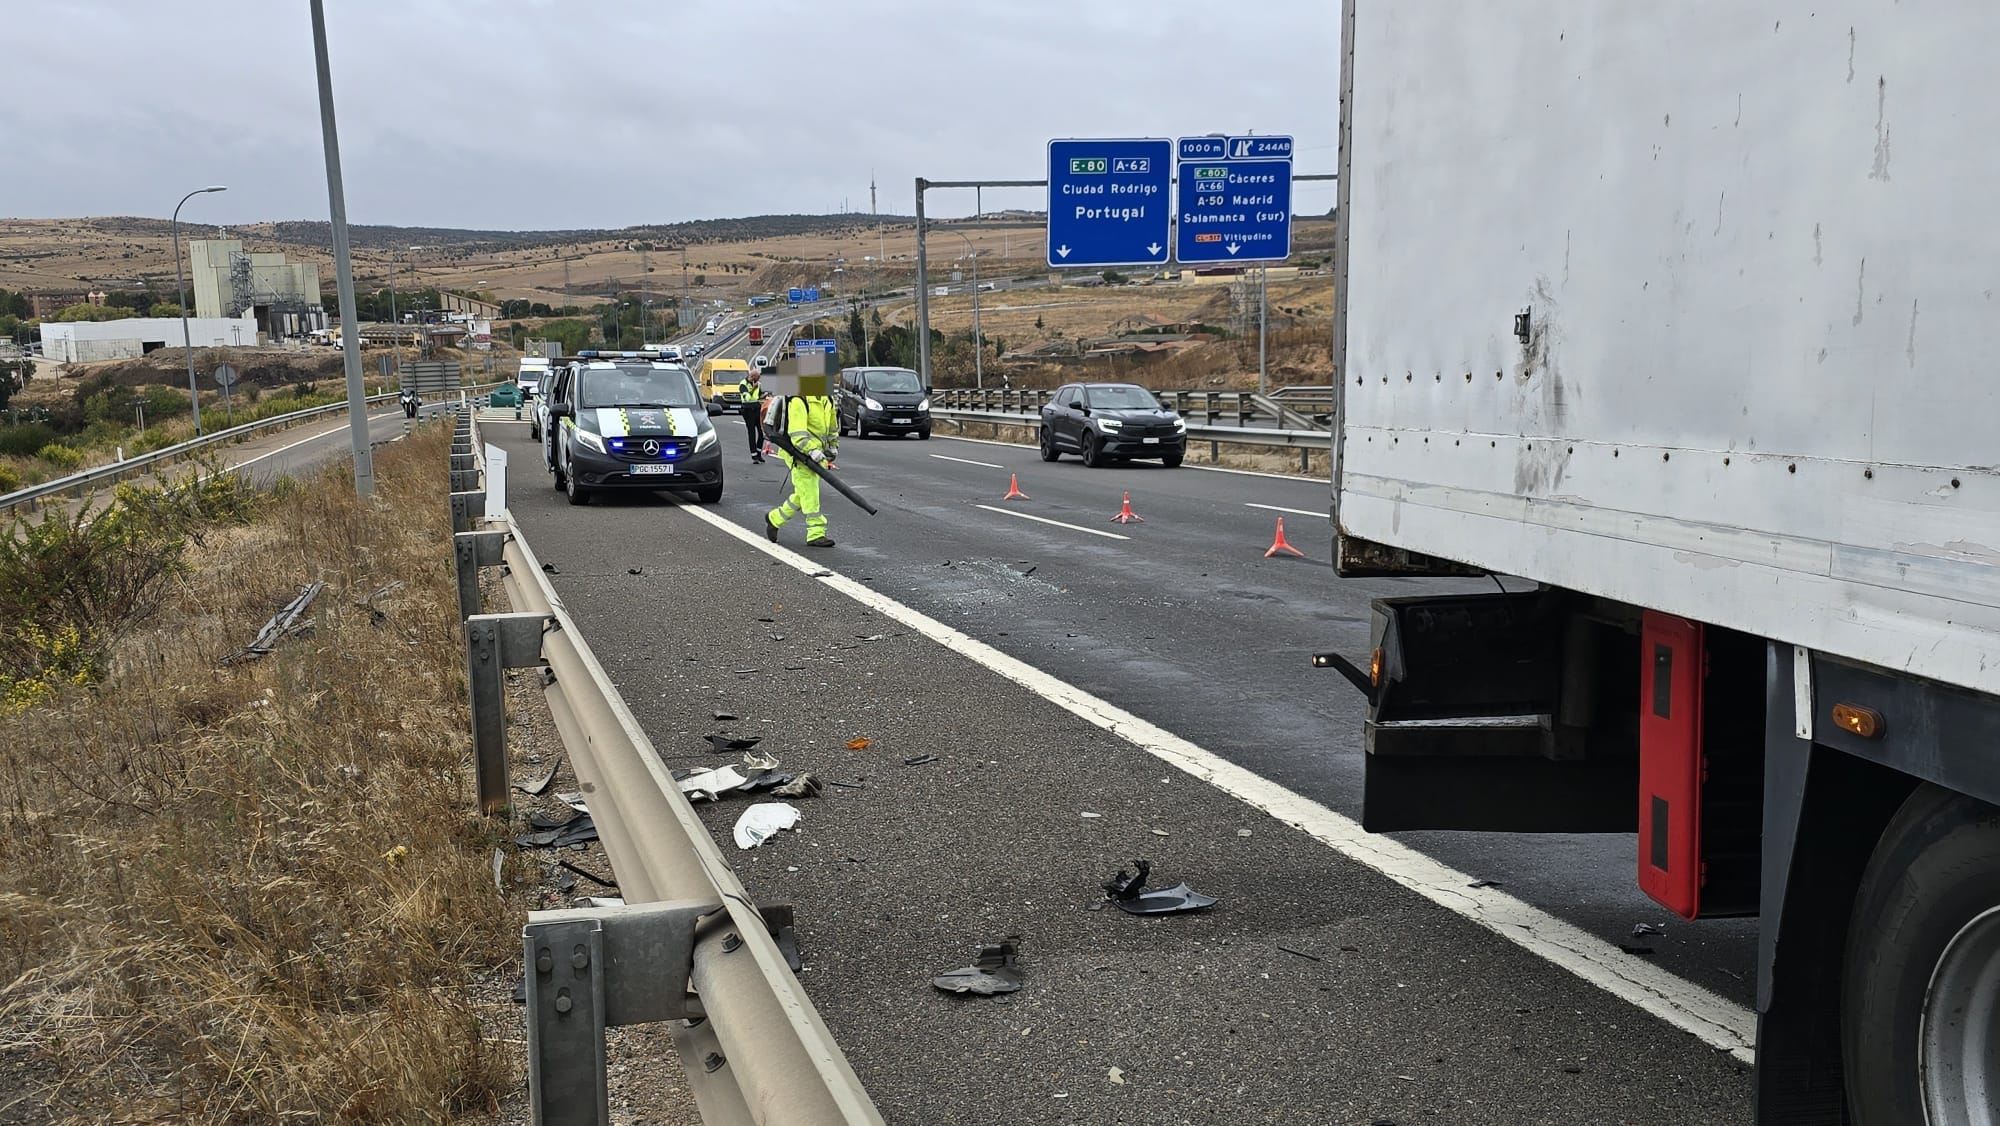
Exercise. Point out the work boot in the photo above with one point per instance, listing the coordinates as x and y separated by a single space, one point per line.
823 541
770 529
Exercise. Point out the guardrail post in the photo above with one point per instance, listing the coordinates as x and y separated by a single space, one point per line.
592 969
470 552
463 460
464 480
494 643
465 507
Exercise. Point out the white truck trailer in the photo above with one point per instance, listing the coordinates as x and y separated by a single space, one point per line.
1681 311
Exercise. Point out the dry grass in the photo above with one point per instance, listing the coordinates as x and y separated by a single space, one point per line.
255 891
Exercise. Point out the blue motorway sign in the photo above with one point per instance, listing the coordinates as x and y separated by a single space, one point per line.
812 294
1235 199
826 346
1110 202
795 295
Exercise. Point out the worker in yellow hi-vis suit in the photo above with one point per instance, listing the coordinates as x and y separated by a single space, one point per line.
808 424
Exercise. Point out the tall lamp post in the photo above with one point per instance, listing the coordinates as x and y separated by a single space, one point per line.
180 295
978 340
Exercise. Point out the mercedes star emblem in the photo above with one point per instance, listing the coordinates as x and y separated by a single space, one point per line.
651 447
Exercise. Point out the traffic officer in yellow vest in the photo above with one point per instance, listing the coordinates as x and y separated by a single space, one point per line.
809 427
750 399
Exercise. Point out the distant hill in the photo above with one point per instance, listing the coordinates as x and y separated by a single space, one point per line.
319 234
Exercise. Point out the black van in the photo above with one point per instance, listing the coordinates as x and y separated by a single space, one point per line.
883 401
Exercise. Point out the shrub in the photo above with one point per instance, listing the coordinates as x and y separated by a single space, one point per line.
10 480
60 456
24 439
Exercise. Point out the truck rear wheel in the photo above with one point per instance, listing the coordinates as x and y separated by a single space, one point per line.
1920 993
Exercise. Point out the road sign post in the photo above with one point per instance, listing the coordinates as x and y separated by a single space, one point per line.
225 378
1235 201
1110 202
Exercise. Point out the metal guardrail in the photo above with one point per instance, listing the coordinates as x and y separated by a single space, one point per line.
1305 408
104 474
1304 441
689 946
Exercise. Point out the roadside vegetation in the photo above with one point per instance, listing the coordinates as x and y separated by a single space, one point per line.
239 889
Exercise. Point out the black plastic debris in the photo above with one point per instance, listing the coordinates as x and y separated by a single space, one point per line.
1128 890
521 989
588 875
283 624
1300 953
997 969
726 717
575 831
1484 884
535 786
767 780
1641 930
634 571
919 760
550 568
726 743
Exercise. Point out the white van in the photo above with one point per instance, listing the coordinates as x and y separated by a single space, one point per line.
533 370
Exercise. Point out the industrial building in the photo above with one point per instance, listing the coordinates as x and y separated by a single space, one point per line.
77 341
281 297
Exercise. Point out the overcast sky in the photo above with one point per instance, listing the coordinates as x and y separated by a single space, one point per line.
537 114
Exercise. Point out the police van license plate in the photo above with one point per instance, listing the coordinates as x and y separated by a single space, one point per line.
651 467
1150 441
900 421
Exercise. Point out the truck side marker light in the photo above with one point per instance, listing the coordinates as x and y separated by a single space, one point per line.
1857 720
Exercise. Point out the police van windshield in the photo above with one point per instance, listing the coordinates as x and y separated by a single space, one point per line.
891 382
636 387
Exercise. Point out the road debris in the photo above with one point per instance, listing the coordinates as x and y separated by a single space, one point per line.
859 743
803 785
1089 816
587 874
996 969
1300 953
919 760
1116 1075
574 800
755 763
727 717
762 821
707 785
534 786
1484 884
579 829
1641 930
727 743
1128 891
550 569
634 571
283 624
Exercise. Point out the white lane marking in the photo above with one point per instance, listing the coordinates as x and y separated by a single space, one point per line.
1282 508
1057 523
506 422
967 461
1714 1020
1186 465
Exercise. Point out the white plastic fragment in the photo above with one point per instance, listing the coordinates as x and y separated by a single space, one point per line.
708 783
763 821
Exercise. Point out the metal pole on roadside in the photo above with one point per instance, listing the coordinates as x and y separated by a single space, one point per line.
343 266
180 295
1263 312
978 340
923 295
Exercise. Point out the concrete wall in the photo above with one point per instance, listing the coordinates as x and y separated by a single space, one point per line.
78 341
269 274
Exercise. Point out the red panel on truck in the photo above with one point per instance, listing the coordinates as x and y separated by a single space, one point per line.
1670 761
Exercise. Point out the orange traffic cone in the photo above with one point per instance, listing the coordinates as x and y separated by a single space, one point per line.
1126 515
1279 544
1014 489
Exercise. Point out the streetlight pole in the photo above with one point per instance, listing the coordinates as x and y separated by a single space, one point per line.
343 267
978 340
180 295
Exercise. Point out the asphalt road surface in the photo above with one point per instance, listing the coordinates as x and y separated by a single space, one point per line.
1178 619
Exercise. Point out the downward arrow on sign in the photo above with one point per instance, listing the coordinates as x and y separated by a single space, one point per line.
1233 248
1062 251
1153 249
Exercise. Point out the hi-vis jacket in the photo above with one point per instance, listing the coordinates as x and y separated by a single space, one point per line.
807 421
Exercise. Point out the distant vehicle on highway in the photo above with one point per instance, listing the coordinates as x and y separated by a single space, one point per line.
882 401
533 370
722 383
756 334
629 423
761 363
1106 422
670 352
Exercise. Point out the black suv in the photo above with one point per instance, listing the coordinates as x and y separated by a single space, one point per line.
1111 422
883 401
630 424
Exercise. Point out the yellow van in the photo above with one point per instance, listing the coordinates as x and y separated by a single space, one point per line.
720 381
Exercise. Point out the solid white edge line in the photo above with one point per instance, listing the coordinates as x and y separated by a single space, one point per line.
967 461
303 441
1184 465
1712 1019
1295 511
1057 523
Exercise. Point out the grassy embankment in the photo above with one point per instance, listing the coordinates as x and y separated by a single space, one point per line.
255 890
